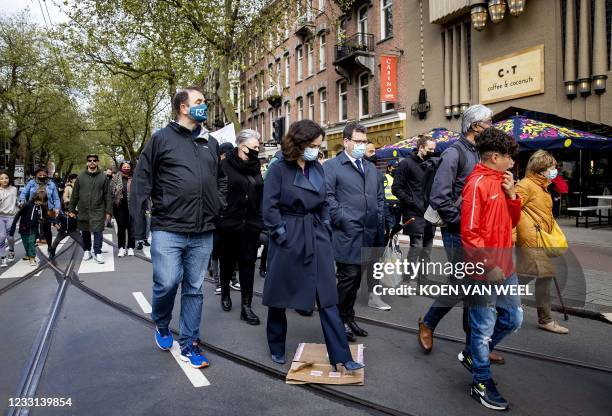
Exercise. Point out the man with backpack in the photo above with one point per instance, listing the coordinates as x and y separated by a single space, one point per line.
455 165
408 188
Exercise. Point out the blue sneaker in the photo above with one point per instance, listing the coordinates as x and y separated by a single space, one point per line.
163 338
194 356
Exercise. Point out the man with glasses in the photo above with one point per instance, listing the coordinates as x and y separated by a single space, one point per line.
356 201
178 171
91 199
457 163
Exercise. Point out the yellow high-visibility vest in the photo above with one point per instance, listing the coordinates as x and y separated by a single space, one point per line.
388 184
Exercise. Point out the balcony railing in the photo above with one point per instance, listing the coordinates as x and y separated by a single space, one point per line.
304 25
359 43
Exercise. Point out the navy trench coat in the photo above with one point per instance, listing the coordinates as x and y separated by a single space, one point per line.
300 255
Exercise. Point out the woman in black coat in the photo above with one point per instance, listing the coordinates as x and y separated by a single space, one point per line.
300 254
240 223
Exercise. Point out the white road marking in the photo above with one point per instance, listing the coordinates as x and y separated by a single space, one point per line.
142 302
195 376
92 266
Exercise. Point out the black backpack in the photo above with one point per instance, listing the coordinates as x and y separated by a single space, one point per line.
430 167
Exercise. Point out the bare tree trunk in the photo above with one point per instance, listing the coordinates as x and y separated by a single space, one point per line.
224 92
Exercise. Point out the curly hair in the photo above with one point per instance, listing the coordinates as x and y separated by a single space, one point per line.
300 134
493 140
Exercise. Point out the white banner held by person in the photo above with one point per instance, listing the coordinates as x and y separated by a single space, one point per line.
225 134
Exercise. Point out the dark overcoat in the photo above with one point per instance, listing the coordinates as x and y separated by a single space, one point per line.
300 255
356 206
91 197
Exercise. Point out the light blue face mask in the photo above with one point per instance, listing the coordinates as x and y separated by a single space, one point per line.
310 154
552 174
358 151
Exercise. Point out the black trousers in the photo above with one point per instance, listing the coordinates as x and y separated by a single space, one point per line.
124 225
349 280
246 273
263 260
333 332
45 232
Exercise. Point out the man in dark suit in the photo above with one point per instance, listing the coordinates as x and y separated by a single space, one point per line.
356 198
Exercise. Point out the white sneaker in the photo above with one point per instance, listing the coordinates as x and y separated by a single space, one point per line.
121 252
374 301
99 258
3 262
87 256
130 251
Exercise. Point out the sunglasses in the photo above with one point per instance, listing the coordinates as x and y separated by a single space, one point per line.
92 160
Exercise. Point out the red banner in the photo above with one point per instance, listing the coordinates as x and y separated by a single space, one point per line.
388 84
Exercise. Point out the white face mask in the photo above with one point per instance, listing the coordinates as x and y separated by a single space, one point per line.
358 151
552 174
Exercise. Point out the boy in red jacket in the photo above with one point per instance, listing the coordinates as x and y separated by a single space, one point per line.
489 211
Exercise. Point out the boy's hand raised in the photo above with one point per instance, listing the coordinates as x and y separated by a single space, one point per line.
508 185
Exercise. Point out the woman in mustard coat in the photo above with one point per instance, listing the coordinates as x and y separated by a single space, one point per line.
532 262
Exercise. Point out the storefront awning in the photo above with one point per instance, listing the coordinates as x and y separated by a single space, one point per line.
443 137
533 134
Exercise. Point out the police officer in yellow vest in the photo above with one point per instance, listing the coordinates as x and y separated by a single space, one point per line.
392 201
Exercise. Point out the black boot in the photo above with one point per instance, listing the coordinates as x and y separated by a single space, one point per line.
247 314
226 300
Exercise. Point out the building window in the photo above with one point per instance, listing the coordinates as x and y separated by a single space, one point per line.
323 106
263 126
386 19
322 61
342 101
270 76
362 24
300 61
270 121
321 6
287 70
364 109
341 30
300 108
287 116
386 107
311 106
278 74
256 123
310 56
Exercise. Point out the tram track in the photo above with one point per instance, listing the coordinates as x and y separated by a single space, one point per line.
413 330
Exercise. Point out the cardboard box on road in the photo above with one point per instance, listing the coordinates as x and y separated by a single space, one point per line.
311 365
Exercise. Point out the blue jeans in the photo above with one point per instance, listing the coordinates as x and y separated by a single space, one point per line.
444 304
97 244
492 318
179 258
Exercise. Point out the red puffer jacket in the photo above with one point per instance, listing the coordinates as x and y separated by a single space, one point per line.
487 219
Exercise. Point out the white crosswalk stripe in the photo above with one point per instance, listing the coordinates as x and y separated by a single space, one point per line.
92 266
195 376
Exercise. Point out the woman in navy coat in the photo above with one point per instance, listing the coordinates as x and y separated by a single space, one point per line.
300 254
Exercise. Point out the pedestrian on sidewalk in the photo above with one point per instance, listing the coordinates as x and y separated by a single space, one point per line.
42 183
8 209
91 199
68 191
455 165
183 215
356 202
120 190
300 255
240 222
490 210
408 188
537 212
384 228
30 216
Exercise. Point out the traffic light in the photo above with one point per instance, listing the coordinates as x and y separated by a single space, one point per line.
279 129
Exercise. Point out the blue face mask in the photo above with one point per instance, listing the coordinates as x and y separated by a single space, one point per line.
310 154
358 151
199 112
552 174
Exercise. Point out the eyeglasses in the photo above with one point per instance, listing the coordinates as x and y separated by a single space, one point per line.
92 160
358 141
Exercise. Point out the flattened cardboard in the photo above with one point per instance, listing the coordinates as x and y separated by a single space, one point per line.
311 365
